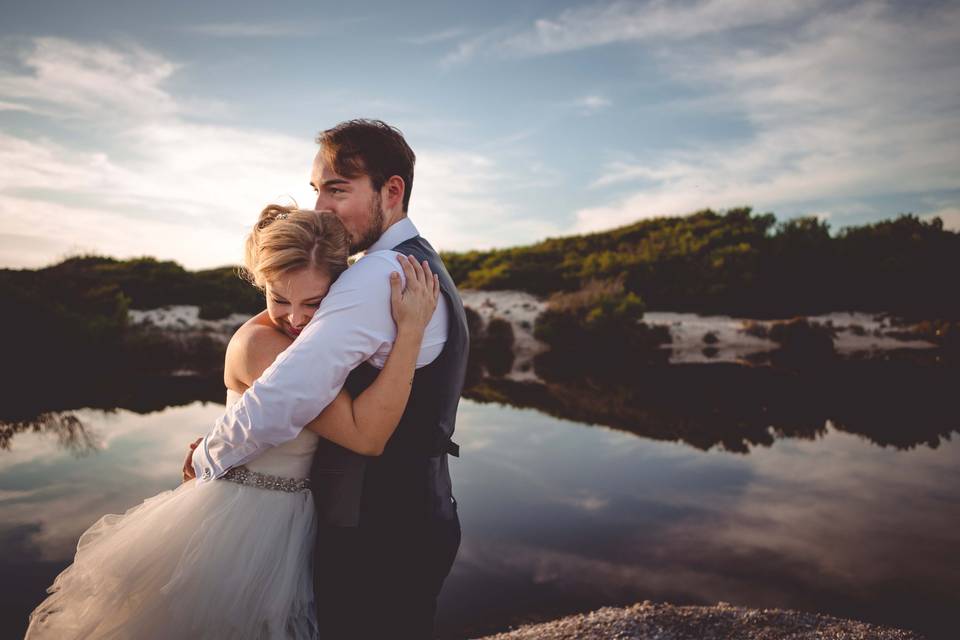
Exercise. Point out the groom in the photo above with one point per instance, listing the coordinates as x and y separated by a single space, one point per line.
388 526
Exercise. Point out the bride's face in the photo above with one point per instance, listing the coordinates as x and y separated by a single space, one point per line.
293 298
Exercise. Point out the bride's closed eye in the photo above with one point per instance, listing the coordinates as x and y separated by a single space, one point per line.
309 304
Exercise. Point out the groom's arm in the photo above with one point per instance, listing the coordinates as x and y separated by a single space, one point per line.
352 323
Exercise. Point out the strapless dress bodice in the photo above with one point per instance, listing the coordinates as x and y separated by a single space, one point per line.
292 459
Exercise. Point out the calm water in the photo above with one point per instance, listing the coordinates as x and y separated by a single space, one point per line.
561 516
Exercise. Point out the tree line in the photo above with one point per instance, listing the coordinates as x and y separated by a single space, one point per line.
73 315
741 263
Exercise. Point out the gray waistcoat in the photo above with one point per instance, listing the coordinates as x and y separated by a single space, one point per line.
410 481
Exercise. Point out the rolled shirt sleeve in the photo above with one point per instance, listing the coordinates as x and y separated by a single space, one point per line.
352 324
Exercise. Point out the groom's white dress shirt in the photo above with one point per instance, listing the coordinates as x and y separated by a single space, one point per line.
352 325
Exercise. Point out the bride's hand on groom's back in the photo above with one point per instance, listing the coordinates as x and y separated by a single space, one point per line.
188 472
413 306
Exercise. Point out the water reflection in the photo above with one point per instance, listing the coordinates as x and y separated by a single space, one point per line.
562 519
821 515
48 496
140 394
69 430
891 403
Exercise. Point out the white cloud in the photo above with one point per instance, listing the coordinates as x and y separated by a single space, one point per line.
436 36
844 101
949 215
157 182
72 80
154 183
591 104
13 106
452 203
608 23
251 30
474 45
859 102
37 233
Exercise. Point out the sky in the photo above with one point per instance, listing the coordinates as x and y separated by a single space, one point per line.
146 128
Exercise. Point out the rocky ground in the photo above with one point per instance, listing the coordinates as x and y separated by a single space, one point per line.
660 621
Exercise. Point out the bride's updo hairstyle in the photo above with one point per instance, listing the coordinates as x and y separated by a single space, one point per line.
288 239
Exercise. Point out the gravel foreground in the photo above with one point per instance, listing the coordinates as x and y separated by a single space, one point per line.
661 621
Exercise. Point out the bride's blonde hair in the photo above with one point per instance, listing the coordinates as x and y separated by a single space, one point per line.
289 239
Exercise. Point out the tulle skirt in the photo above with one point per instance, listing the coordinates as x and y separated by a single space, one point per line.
211 560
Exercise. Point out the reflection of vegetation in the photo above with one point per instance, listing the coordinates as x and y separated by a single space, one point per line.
46 407
491 347
498 346
802 342
735 407
897 402
940 332
49 410
742 264
71 433
147 349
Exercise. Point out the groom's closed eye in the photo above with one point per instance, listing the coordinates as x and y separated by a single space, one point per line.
333 186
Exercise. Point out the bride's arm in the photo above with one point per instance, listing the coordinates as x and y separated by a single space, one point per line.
363 424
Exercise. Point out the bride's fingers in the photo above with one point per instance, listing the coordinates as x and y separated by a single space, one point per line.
427 274
408 271
396 294
188 466
436 287
420 281
417 268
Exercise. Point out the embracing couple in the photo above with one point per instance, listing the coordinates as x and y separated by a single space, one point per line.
320 504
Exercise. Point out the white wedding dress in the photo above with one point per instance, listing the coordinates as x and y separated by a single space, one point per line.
222 559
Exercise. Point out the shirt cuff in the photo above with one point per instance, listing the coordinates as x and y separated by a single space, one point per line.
203 466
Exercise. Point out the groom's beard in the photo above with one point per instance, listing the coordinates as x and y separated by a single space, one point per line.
374 230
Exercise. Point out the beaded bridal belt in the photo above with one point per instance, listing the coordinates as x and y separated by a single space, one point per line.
242 475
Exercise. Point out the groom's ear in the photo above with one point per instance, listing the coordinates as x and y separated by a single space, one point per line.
392 193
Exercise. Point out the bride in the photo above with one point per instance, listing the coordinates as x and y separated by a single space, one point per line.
232 558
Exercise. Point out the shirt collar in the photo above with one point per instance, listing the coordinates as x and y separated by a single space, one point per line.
401 230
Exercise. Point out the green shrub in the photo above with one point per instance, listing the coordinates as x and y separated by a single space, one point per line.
599 314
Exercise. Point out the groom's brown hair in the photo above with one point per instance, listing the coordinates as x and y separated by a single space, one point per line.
372 147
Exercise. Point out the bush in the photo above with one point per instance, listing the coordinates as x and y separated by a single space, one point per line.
600 314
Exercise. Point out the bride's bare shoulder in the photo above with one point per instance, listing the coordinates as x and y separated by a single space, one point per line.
251 350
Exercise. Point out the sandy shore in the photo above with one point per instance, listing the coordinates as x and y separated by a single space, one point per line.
659 621
694 338
855 333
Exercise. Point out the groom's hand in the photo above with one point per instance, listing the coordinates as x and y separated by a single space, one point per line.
188 472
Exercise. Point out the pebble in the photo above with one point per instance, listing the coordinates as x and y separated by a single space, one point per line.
662 621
